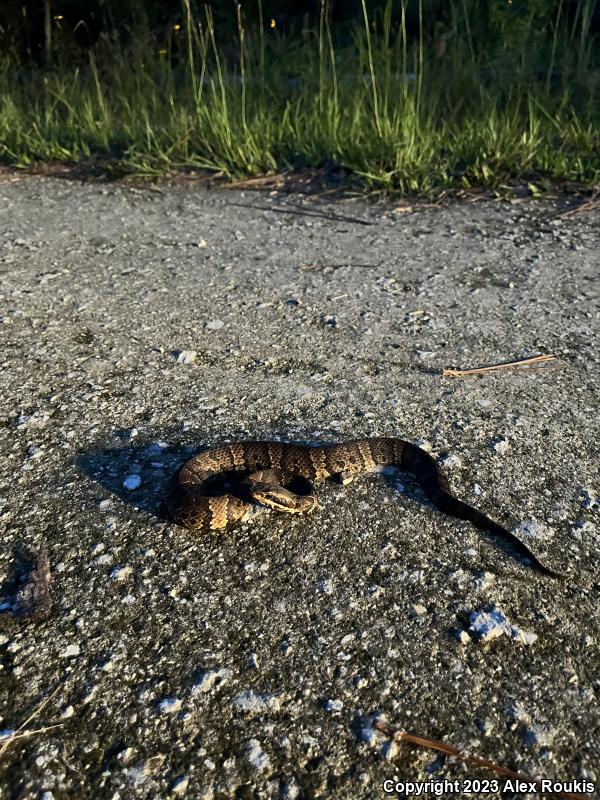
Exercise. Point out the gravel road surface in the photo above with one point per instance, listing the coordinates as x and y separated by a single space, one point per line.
141 325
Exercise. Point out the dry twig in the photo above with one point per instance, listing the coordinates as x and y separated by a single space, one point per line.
590 204
20 733
527 363
449 750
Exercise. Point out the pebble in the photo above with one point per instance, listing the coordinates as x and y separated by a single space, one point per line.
488 625
120 573
334 706
451 461
185 356
132 482
211 679
180 785
256 756
501 445
71 651
256 702
214 324
169 705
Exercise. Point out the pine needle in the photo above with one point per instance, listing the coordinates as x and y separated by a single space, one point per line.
526 363
467 758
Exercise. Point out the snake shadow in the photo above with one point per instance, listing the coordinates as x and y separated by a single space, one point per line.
142 474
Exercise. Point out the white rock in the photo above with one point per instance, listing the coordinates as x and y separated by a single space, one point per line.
488 625
591 498
255 755
208 680
370 734
334 706
169 705
290 791
214 324
501 445
185 356
132 482
532 529
389 750
68 712
155 448
180 785
256 702
71 651
120 573
451 461
484 580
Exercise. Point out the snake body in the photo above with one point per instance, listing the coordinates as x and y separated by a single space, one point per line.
265 470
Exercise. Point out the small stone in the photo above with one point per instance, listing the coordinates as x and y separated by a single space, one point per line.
214 324
132 482
255 755
71 651
120 573
389 750
155 448
180 785
169 705
484 580
256 702
334 706
418 610
211 679
68 712
370 734
501 445
488 625
126 756
451 461
185 356
290 791
463 637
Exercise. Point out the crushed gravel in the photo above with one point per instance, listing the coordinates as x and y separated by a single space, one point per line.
139 325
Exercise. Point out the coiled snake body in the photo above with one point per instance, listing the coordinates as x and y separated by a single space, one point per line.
266 471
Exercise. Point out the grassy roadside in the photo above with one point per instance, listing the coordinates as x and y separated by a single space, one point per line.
409 114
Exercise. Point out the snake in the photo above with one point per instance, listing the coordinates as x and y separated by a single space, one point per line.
204 500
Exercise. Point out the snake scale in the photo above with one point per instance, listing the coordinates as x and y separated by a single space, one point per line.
265 473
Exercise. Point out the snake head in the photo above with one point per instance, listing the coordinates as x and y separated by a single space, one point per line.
281 499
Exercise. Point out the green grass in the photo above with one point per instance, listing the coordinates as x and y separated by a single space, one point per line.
391 111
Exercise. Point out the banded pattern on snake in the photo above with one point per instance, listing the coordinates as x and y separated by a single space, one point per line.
266 470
